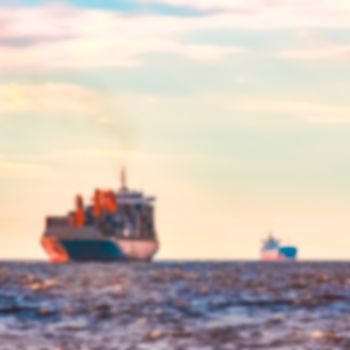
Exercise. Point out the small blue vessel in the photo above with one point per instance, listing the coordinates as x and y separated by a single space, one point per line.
272 250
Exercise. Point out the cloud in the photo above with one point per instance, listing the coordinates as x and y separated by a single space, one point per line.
211 109
227 109
268 14
241 6
46 99
149 156
66 102
73 101
313 112
11 168
325 52
62 36
252 6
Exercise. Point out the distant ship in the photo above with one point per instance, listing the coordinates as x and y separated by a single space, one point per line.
117 226
272 250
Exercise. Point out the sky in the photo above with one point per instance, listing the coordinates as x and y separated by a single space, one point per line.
234 114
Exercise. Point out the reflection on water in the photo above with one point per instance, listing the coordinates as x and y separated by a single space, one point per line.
175 306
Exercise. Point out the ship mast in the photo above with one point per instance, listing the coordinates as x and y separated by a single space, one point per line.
123 180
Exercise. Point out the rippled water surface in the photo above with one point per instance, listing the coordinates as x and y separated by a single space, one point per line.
175 306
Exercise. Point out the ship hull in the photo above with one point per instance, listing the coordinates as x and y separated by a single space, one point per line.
271 257
282 254
62 250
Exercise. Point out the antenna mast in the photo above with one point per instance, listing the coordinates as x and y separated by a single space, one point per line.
123 179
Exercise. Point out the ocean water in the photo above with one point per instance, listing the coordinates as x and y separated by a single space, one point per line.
219 306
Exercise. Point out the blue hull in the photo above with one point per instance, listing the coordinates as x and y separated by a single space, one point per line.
290 253
92 250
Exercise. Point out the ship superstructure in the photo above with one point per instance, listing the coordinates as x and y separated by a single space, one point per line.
116 226
272 250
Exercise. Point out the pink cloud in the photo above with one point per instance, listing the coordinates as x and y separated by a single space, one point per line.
61 36
55 36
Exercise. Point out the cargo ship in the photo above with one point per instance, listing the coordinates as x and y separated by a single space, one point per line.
272 250
116 226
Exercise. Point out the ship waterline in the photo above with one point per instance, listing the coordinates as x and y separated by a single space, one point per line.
110 249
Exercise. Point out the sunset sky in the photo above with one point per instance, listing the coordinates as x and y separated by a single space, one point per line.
234 113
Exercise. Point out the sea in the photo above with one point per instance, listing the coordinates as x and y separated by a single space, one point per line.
175 305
